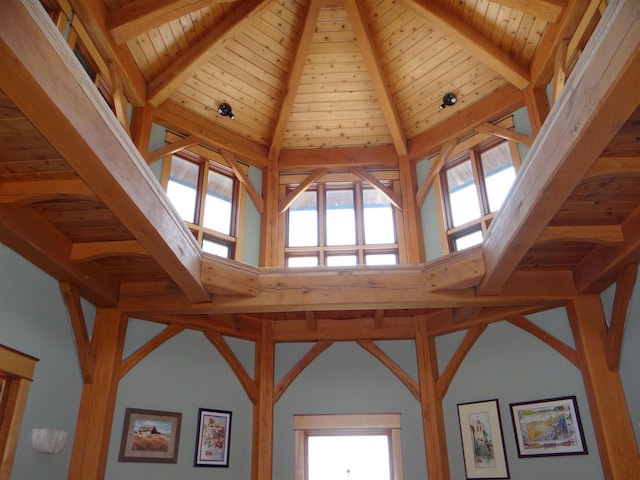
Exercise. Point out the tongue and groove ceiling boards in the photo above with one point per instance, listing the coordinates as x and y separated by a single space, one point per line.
325 73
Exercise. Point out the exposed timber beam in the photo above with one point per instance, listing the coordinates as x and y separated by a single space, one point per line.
471 40
504 133
32 191
84 252
436 166
163 86
370 157
393 197
86 355
243 178
132 19
571 140
294 75
286 202
171 148
53 91
601 234
625 283
356 12
93 15
501 103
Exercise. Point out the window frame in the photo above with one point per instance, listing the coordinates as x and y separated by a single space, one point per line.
209 160
344 180
471 150
347 424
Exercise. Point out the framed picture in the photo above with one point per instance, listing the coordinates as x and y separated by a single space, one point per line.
482 441
548 427
213 437
150 436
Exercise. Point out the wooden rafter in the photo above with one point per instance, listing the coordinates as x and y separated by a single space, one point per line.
559 346
163 86
119 98
86 355
132 19
249 385
286 202
297 369
357 14
134 358
625 282
471 40
436 166
379 186
294 74
570 141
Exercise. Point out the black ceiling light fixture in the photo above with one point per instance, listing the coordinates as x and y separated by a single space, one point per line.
225 110
448 100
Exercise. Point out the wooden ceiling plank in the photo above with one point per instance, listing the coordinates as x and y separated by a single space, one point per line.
504 133
357 15
53 91
243 178
501 103
549 10
471 40
394 198
286 202
436 166
163 86
49 250
294 76
572 138
132 19
93 15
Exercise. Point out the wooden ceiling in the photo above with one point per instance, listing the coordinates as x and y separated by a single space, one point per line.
77 199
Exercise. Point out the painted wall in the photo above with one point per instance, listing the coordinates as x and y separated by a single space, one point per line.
187 373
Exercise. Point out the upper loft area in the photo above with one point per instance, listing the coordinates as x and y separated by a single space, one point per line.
324 95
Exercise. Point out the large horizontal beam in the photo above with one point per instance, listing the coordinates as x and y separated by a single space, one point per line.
587 115
50 87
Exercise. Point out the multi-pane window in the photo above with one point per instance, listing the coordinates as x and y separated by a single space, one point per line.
474 184
205 195
342 223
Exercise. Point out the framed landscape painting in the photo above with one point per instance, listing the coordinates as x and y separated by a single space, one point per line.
213 437
548 427
482 441
150 436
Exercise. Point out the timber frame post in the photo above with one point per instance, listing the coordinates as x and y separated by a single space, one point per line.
97 404
435 441
262 443
609 413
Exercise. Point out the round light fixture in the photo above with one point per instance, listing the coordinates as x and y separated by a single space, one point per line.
225 110
448 100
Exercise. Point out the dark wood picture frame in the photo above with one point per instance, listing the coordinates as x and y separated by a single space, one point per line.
212 438
151 436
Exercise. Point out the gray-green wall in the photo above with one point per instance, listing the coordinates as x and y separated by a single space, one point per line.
187 373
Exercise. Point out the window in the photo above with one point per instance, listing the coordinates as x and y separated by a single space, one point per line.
205 193
16 374
475 183
360 447
341 223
